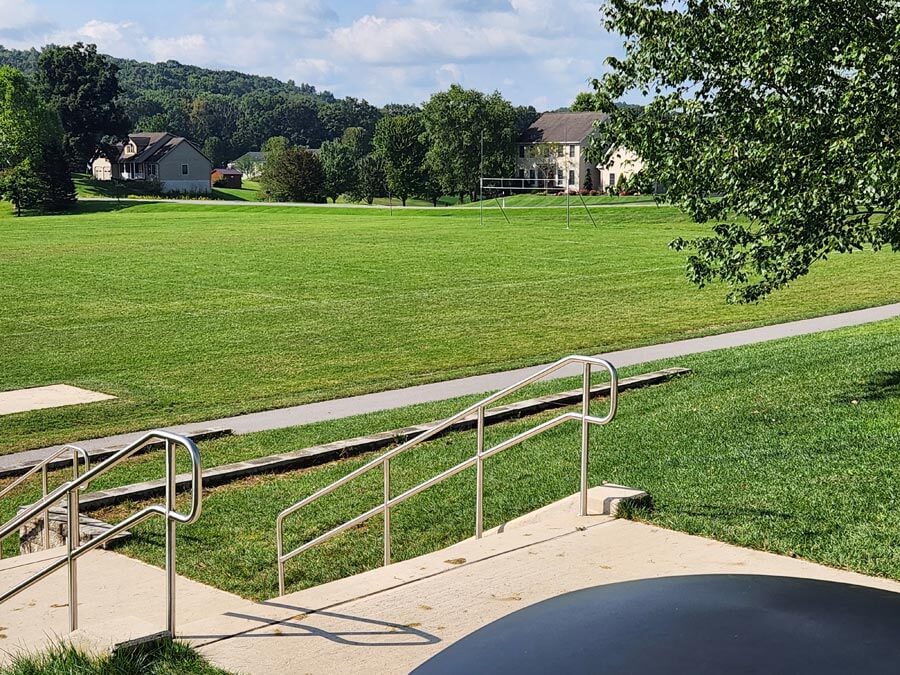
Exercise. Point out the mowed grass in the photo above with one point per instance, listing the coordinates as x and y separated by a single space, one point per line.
786 447
187 312
248 192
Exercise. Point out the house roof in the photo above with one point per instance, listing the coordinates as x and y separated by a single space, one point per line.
252 156
564 127
228 172
152 147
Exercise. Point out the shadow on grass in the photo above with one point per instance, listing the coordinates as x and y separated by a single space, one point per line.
880 386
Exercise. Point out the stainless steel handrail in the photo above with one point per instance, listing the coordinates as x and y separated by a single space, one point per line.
476 460
42 467
74 549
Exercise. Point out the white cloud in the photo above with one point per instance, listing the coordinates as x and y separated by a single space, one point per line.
21 22
380 40
185 48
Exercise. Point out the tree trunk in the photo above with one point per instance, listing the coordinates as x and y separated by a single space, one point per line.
403 201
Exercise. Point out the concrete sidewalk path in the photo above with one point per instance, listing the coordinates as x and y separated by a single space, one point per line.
478 384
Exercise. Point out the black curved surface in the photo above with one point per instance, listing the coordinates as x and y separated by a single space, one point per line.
705 624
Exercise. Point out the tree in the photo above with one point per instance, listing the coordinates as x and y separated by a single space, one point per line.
275 145
584 102
773 121
395 109
456 121
82 87
217 150
399 141
545 158
33 172
370 179
293 175
339 166
21 186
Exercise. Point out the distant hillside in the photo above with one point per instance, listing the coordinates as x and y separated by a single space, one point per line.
225 111
137 77
228 112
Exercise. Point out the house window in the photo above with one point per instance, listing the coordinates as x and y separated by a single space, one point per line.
184 170
571 151
531 175
612 180
559 176
521 151
521 173
559 150
151 169
571 177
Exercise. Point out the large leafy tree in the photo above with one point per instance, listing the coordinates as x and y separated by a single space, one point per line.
339 164
398 140
82 86
293 175
33 171
455 122
775 121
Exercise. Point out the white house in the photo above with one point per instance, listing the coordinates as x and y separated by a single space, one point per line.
552 154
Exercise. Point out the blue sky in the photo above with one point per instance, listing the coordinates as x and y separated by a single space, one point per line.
535 52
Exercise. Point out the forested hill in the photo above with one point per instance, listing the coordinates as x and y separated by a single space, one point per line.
227 112
139 76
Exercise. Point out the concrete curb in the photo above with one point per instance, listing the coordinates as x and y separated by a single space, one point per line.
320 454
101 454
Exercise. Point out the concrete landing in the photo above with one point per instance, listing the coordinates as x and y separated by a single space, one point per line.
392 619
118 599
51 396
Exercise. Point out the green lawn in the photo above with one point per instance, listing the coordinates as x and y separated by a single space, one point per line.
786 446
248 192
191 312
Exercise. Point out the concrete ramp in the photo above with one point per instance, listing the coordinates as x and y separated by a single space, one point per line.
392 619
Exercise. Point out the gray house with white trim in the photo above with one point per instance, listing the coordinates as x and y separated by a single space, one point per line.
174 161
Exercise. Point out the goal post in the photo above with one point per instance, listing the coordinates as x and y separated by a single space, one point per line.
495 187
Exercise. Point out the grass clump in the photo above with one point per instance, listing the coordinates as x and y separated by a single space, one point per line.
161 657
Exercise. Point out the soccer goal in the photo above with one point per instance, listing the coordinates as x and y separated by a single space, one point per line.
498 188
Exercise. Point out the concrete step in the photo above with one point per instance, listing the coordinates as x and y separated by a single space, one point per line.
119 599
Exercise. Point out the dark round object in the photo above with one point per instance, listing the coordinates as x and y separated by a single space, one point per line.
705 624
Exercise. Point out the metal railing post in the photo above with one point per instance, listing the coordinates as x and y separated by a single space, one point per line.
47 512
585 435
387 512
170 538
479 477
73 541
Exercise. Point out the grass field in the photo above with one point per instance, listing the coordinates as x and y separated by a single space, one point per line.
190 312
786 446
248 192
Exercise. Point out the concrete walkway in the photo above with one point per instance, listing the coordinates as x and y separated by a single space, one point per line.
119 599
394 618
439 391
